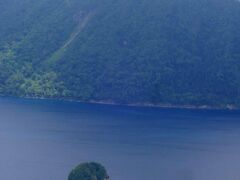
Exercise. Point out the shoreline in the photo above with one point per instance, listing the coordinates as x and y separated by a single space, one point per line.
112 103
168 106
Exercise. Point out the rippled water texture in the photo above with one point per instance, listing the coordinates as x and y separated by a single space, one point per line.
44 140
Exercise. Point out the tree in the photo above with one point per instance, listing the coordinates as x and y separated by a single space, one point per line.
89 171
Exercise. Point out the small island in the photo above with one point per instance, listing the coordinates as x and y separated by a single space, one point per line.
89 171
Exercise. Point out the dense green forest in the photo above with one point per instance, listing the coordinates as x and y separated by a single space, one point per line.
179 52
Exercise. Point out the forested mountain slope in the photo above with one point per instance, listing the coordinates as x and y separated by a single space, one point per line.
179 52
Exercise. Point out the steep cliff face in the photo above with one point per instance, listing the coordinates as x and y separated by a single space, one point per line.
128 51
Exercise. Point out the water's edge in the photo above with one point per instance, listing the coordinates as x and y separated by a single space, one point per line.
160 105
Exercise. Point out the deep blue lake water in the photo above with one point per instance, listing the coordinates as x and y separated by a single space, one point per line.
45 139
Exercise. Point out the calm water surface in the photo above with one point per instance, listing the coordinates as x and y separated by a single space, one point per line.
43 140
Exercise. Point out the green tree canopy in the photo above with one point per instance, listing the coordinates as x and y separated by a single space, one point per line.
164 52
89 171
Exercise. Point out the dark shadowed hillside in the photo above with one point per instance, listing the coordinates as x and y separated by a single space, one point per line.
127 51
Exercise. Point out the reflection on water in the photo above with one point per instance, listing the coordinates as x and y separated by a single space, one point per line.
43 140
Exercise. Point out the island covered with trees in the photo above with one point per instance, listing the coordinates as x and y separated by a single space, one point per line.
89 171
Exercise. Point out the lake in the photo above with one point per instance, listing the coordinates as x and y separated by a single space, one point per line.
45 139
